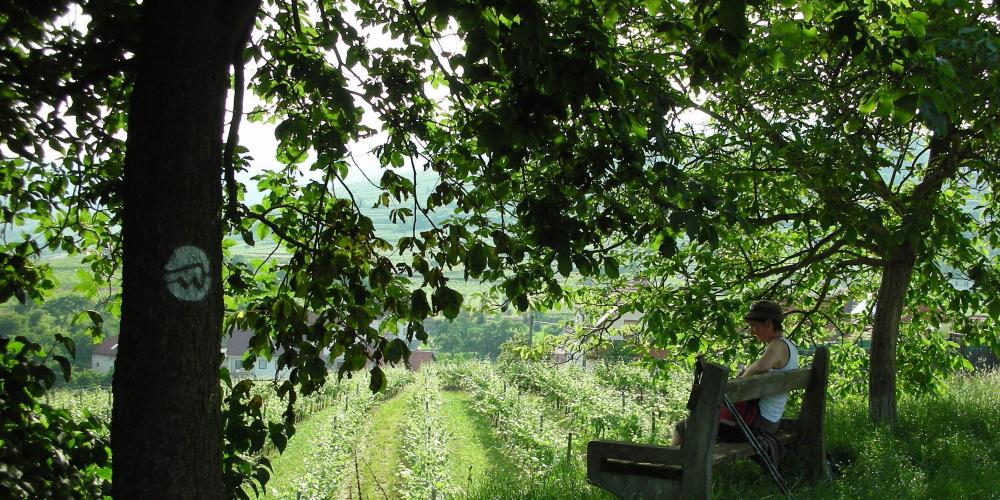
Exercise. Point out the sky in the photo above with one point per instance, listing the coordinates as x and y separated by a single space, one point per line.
259 137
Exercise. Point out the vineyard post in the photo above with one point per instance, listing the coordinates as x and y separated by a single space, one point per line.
569 447
357 474
652 418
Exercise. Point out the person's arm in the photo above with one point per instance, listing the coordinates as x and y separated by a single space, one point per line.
775 356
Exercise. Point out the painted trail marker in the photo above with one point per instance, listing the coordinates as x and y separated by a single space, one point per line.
186 273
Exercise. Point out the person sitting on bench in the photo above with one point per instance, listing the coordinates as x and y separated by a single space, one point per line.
763 415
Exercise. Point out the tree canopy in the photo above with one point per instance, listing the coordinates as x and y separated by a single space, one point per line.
561 140
853 158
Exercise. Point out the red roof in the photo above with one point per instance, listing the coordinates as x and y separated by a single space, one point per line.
107 347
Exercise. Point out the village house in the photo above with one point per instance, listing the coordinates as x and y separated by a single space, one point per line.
102 358
236 346
419 354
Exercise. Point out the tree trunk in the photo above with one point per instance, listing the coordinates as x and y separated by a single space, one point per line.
166 427
888 309
942 165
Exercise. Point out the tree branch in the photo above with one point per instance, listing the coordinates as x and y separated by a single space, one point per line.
233 138
811 256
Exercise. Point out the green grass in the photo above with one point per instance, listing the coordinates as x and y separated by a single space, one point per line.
505 482
943 446
472 446
290 465
378 454
473 452
560 483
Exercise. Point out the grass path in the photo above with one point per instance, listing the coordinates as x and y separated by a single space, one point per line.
289 467
378 455
473 451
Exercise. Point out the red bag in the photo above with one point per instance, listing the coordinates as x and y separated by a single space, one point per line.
747 409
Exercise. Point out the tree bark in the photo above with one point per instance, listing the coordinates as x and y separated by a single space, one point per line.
942 166
166 427
889 307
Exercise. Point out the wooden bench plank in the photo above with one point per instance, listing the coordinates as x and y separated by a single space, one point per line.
632 486
730 451
618 450
663 471
743 389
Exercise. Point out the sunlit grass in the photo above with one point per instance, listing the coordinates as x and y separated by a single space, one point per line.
943 446
378 453
473 451
290 466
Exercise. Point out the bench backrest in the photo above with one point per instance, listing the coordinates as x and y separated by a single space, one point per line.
743 389
702 425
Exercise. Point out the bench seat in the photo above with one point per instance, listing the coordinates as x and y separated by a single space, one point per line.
729 451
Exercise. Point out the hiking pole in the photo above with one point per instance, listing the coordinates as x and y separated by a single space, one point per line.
756 445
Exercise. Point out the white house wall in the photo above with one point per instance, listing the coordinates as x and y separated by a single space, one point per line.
101 363
262 368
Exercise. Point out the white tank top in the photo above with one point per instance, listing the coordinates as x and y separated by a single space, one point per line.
771 407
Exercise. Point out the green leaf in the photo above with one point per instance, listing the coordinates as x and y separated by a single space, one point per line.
419 308
394 350
277 434
354 359
868 104
994 310
732 17
932 117
668 247
565 264
904 108
447 301
653 6
68 344
916 23
262 475
477 259
611 267
65 366
378 380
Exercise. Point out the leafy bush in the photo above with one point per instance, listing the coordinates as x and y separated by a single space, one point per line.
45 450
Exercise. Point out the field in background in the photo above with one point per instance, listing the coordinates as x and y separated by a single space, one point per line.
477 429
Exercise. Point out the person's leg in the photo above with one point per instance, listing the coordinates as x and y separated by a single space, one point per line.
765 425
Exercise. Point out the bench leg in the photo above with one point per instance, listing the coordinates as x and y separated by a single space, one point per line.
811 418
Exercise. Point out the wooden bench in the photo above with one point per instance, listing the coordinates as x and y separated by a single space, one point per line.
631 470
